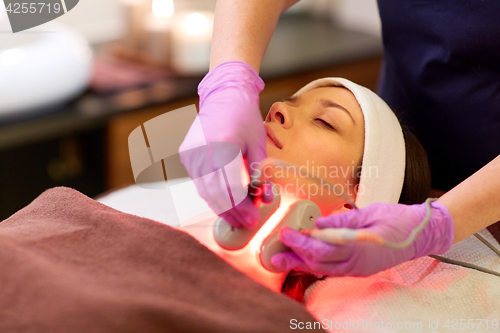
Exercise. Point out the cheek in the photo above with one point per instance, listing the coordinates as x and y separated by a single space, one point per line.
335 160
324 150
305 150
309 146
320 153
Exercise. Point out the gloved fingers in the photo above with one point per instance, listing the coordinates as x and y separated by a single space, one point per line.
286 261
348 219
232 218
264 192
267 195
243 215
257 152
248 213
329 269
334 221
214 190
312 249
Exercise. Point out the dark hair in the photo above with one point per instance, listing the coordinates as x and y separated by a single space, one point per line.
417 182
416 187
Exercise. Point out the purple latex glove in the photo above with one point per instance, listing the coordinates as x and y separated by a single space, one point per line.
229 113
393 222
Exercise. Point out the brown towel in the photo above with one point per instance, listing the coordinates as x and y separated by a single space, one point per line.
71 264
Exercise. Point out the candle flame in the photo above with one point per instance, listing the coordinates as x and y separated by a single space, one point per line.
196 24
163 8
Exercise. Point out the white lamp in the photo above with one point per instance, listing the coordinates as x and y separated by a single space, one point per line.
42 70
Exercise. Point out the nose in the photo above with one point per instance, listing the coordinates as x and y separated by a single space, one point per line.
280 113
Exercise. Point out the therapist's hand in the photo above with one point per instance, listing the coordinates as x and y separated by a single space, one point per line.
394 222
229 112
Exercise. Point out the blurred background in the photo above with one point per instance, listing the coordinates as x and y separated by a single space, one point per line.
103 20
73 89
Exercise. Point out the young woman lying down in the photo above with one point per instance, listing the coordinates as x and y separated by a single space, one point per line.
341 132
342 127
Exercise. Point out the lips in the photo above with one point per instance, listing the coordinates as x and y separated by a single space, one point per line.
273 137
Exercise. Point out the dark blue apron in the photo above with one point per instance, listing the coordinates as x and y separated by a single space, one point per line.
442 77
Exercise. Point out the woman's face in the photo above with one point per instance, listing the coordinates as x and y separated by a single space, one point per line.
322 130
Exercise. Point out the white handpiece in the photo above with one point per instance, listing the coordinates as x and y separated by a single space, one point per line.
338 236
231 238
301 215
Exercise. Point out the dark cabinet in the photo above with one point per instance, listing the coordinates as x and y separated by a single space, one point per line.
75 161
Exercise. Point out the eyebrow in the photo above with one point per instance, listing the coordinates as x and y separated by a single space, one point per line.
330 104
325 103
291 99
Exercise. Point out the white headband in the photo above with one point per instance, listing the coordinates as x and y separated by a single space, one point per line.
383 166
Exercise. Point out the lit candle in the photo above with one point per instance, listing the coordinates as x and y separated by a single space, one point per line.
133 10
192 38
157 26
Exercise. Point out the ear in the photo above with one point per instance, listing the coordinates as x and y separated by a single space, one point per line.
347 207
342 209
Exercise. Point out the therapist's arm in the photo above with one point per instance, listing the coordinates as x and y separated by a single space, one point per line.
230 112
243 29
474 204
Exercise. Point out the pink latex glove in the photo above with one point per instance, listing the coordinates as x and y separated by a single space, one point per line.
229 113
393 222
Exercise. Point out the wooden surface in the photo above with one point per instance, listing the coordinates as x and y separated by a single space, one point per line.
119 171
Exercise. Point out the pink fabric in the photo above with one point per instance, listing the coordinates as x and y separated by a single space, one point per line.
71 264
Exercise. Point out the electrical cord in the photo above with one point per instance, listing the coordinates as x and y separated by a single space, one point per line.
416 231
468 265
464 264
488 244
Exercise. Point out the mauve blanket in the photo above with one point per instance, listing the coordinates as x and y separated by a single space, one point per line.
71 264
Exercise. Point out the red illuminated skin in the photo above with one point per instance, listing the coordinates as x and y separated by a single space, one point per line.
302 137
299 134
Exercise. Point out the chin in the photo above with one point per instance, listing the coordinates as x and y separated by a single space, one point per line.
272 151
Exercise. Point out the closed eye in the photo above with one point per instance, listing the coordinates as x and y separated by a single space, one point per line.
325 123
